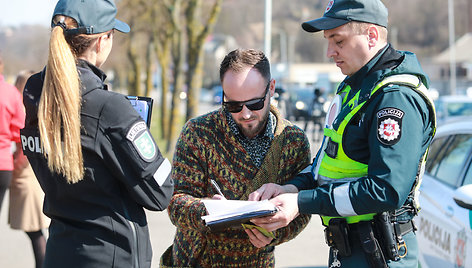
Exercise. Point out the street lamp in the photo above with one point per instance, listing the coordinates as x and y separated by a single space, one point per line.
268 28
452 49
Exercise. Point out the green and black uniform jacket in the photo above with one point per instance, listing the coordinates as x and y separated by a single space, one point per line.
392 168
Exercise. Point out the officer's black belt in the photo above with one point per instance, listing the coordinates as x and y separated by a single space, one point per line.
379 246
404 228
401 228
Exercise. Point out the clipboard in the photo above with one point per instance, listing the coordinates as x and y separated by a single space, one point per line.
143 105
233 213
237 221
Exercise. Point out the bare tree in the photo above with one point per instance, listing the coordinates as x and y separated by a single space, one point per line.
197 32
150 41
137 42
163 31
178 54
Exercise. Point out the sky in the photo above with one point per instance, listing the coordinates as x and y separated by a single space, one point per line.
17 12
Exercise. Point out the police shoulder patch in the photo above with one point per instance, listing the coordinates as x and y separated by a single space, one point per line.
389 124
142 141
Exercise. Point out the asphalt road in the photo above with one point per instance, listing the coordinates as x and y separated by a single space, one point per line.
308 249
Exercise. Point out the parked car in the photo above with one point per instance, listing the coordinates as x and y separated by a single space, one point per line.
300 103
217 94
444 221
452 106
206 95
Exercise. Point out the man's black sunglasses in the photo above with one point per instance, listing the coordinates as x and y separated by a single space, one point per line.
253 105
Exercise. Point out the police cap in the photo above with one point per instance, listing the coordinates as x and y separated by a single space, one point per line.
92 16
340 12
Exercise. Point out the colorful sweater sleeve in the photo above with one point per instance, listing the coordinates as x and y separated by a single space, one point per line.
185 208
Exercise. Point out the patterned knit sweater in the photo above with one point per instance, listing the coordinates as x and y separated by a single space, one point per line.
207 149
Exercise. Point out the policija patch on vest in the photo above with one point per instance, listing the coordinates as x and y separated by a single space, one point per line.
142 141
389 124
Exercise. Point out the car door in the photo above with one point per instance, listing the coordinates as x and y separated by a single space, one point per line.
464 242
444 235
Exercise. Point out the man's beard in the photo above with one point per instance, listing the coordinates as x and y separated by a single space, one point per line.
256 129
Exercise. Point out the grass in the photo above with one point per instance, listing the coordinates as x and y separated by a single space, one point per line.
156 131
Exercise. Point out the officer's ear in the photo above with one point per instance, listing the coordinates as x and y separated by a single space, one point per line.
372 35
104 40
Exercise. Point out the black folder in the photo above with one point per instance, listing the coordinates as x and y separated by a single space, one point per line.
236 217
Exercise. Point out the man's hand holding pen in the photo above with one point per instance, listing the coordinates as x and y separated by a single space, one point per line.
220 195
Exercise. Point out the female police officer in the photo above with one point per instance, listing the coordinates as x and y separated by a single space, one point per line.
92 153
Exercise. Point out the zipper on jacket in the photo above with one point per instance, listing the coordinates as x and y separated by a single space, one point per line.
135 239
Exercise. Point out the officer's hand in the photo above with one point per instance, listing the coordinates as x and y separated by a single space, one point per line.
270 190
257 238
288 210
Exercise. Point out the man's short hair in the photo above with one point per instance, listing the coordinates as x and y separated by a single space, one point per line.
361 28
238 59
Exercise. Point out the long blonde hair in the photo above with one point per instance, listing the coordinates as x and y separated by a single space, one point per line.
59 107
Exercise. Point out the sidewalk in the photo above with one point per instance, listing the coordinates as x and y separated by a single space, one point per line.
308 249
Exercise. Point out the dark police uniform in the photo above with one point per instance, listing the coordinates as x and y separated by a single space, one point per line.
100 221
386 140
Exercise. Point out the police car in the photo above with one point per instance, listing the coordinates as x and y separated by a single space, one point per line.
445 220
451 106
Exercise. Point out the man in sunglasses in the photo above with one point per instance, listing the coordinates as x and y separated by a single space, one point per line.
242 145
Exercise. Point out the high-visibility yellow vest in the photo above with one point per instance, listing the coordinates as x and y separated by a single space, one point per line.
344 168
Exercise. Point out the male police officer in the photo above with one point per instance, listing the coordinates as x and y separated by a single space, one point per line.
376 137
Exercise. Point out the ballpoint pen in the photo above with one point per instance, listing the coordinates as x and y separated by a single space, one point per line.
215 185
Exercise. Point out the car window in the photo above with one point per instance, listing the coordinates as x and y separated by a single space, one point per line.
459 108
435 154
451 164
468 176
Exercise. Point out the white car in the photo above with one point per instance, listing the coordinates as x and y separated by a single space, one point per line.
452 106
445 219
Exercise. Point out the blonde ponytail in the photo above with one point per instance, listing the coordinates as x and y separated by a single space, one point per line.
59 110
